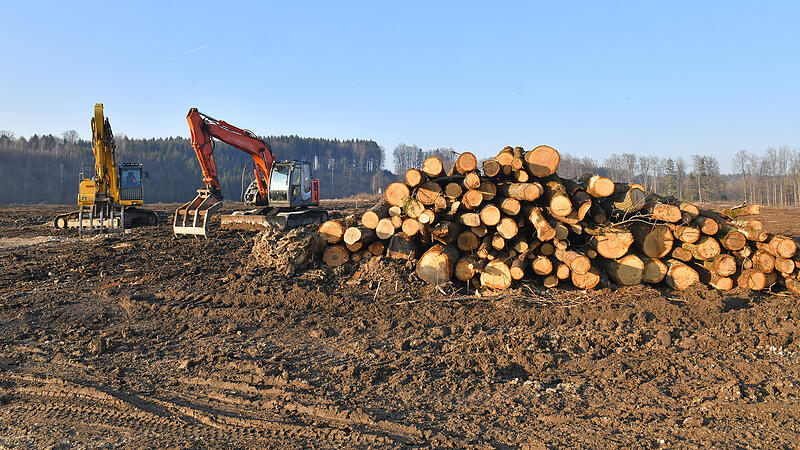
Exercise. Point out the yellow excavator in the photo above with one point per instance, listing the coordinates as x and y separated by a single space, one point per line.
108 201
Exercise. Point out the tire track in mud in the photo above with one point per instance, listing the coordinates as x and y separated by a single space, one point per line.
222 410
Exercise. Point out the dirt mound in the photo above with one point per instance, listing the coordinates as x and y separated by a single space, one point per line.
286 251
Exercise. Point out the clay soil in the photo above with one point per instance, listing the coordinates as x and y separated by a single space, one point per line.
144 340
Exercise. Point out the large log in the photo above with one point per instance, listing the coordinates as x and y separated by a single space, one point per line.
707 225
751 279
544 231
522 191
414 177
784 265
597 186
469 219
609 242
714 280
396 193
510 206
370 218
435 266
490 168
706 248
723 265
496 275
665 212
472 199
411 226
385 228
542 161
466 162
472 181
335 255
731 238
556 196
542 265
763 261
488 190
627 198
467 241
467 267
654 241
507 227
490 215
332 231
685 233
518 264
626 271
453 191
577 262
655 270
359 234
779 246
680 275
429 192
432 167
588 280
744 210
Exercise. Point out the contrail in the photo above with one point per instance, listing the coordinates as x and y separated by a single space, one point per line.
191 51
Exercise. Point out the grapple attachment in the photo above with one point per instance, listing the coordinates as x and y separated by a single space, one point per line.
193 217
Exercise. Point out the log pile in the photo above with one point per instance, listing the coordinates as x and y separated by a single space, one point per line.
514 218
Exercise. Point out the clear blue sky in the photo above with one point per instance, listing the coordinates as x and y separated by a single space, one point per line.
663 78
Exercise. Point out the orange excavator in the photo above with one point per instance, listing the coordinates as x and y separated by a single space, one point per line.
282 191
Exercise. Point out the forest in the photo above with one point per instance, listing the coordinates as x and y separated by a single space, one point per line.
47 168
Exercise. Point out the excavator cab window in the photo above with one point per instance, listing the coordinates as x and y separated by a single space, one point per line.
306 181
279 183
294 184
130 178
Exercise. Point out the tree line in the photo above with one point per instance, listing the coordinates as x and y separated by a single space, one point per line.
771 178
46 168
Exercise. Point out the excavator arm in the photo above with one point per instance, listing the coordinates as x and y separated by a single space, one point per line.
203 128
105 165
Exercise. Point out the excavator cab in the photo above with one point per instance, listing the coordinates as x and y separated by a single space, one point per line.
130 184
290 185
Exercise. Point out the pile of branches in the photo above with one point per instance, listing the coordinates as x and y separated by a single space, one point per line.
514 218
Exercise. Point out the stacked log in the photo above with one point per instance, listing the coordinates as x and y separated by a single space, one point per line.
492 223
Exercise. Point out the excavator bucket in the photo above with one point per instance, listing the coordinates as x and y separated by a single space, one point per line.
193 217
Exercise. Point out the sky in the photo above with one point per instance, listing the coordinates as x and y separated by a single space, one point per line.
588 78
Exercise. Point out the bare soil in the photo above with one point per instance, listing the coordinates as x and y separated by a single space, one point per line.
144 340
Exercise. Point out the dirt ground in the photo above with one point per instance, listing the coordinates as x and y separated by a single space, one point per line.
143 340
